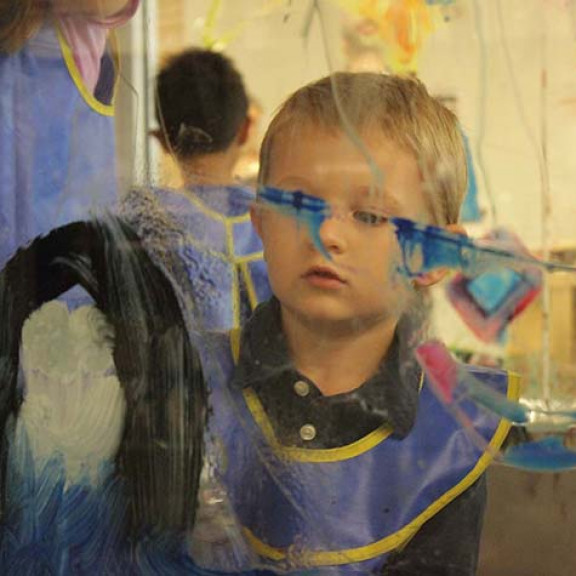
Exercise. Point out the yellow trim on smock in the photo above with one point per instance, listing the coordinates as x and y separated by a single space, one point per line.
307 454
397 539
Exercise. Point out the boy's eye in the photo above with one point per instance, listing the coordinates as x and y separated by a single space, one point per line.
370 218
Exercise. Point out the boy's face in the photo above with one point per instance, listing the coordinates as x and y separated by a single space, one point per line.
361 282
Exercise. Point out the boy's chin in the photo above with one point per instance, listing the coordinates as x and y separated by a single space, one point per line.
333 317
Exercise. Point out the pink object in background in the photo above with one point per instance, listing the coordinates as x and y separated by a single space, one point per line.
87 39
440 368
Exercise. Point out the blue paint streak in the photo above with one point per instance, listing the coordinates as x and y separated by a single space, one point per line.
426 248
547 455
493 401
52 528
307 209
499 404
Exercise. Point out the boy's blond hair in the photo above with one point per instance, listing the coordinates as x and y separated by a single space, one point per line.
398 107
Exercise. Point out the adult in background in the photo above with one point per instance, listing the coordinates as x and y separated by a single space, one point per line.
58 72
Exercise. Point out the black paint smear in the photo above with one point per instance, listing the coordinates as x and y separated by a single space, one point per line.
161 449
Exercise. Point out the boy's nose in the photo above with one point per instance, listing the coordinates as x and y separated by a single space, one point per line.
332 234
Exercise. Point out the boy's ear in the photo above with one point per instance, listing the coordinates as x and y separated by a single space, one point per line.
244 131
256 218
435 276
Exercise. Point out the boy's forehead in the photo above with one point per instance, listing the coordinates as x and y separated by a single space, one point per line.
290 136
311 151
328 164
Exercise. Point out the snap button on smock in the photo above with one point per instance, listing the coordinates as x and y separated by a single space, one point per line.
307 432
302 388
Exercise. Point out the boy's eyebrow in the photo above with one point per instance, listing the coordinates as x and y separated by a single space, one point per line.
380 196
291 184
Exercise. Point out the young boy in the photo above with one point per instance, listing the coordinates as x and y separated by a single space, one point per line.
322 432
337 457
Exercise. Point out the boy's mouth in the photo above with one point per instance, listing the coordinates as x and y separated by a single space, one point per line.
324 277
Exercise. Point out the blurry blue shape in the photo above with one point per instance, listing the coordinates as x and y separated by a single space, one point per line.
453 384
490 290
546 455
490 301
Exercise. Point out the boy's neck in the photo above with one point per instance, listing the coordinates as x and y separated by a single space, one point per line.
215 169
337 360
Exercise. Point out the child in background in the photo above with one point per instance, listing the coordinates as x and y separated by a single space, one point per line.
335 455
202 112
58 76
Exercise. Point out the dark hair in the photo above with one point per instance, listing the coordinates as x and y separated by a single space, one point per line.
200 103
161 448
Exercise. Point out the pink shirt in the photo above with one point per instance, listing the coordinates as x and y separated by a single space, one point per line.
87 39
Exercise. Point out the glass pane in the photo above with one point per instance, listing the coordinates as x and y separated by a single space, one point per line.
286 286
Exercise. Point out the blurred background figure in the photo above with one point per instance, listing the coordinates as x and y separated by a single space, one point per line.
201 108
58 73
